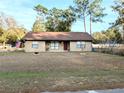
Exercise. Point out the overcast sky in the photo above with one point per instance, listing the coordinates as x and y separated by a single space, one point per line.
22 11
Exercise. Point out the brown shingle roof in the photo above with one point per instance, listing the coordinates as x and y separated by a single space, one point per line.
70 36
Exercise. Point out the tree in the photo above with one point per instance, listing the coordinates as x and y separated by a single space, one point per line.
10 22
12 35
96 12
60 20
7 21
3 38
53 19
38 26
21 32
9 30
56 19
119 8
109 36
1 31
2 20
16 34
41 10
81 10
69 17
113 35
85 8
99 37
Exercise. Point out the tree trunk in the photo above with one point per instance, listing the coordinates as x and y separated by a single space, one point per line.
4 44
123 34
90 24
85 24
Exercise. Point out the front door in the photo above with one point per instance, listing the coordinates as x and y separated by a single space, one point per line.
66 45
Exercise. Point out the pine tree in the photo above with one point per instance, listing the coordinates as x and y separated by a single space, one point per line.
119 8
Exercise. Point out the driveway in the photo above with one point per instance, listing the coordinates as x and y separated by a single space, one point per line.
94 91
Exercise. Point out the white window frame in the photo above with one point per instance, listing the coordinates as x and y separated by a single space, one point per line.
54 45
80 44
35 45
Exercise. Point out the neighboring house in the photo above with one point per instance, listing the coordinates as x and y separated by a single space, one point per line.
57 41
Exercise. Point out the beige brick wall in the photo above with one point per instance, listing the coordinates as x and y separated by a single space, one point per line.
42 47
73 46
28 46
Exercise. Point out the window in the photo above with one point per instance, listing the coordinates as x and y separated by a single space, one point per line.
54 45
80 44
35 45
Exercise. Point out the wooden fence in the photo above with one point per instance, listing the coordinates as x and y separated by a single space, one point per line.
109 48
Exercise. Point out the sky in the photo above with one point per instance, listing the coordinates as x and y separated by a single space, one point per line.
22 11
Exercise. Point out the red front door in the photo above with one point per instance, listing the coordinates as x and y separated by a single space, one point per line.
65 46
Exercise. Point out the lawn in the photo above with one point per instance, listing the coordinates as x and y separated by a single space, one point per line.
22 72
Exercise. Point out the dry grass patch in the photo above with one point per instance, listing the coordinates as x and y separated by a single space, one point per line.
59 71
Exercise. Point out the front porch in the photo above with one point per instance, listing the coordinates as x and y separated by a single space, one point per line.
57 46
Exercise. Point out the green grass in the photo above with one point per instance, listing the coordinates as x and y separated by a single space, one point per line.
22 74
63 73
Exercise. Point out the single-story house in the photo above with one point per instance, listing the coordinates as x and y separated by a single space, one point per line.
57 41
